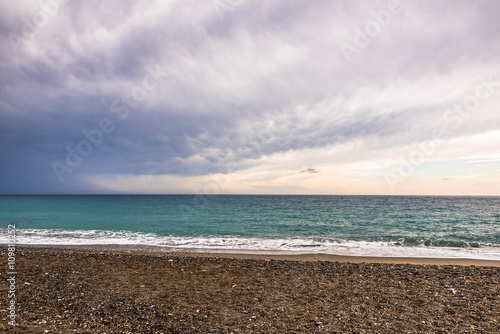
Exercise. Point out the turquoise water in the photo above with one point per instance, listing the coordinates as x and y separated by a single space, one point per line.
373 225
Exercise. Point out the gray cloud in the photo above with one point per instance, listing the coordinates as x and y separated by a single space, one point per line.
268 78
309 170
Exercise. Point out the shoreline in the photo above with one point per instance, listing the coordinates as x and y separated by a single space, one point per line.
273 255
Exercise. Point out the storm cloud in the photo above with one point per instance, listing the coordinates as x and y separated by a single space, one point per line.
143 96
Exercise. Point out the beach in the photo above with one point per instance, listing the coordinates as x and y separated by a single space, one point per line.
104 290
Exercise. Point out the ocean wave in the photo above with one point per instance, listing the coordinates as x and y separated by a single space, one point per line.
434 242
404 247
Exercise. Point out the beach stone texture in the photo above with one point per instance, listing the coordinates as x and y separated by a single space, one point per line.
94 291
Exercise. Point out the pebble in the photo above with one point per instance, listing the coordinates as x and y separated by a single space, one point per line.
101 291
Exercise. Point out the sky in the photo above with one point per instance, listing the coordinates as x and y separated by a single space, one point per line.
250 97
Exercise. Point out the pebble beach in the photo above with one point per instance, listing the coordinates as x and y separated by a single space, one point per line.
117 291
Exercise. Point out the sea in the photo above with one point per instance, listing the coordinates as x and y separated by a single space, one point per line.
395 226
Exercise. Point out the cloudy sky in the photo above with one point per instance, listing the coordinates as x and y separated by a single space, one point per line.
240 96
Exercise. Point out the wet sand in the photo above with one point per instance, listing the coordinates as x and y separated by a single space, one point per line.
285 255
144 291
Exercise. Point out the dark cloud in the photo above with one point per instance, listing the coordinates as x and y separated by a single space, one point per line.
310 170
268 77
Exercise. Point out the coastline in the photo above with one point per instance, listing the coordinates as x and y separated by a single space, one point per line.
278 255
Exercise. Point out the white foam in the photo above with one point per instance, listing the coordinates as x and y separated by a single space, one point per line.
231 243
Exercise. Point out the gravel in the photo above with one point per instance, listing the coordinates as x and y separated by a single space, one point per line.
95 291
